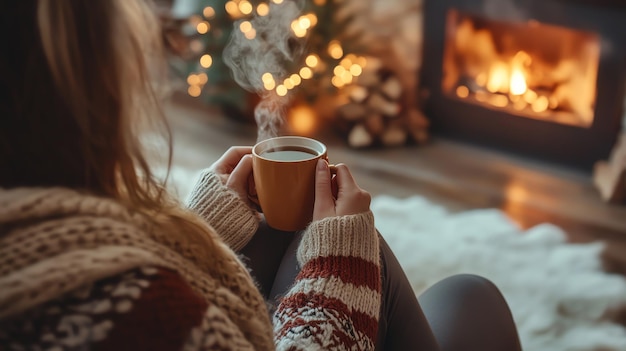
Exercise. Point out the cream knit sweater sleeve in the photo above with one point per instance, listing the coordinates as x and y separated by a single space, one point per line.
224 210
335 301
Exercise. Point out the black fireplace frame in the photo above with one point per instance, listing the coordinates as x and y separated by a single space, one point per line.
557 143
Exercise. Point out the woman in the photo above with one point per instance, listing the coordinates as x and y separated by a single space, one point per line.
94 254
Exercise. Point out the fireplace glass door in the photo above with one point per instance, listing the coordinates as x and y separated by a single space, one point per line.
527 69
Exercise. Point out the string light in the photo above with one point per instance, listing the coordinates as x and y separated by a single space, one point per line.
194 91
312 60
278 2
297 29
269 85
304 22
312 19
356 70
193 79
251 34
334 50
296 79
337 82
281 90
203 27
306 73
203 78
245 7
263 9
339 70
206 61
288 84
346 77
346 63
319 2
268 81
245 26
232 9
208 12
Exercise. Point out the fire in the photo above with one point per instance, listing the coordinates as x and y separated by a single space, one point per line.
508 78
511 66
498 78
518 82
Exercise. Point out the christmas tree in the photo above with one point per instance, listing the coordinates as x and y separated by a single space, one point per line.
325 62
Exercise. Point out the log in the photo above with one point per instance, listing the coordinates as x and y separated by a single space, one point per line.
388 108
358 94
375 124
392 88
394 135
416 119
420 136
359 137
353 111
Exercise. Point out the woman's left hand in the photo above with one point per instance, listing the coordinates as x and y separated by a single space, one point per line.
235 170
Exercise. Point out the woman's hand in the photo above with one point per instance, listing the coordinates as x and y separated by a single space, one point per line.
338 195
235 170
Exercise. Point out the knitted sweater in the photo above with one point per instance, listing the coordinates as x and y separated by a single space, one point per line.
83 272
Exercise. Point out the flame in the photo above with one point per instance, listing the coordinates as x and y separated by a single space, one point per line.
498 77
518 82
509 77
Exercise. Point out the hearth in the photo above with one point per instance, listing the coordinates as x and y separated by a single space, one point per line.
542 78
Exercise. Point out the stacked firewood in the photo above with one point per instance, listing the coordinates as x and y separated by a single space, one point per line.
377 112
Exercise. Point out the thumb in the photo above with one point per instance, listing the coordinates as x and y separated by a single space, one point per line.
324 201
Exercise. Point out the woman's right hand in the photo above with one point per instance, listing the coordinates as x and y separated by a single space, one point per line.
339 195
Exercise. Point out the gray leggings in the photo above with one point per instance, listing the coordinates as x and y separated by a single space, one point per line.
463 312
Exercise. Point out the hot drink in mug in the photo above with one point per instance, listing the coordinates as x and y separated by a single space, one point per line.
284 174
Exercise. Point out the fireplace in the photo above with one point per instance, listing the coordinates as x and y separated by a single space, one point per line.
541 78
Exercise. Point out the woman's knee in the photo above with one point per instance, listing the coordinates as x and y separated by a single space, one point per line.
468 309
466 286
465 295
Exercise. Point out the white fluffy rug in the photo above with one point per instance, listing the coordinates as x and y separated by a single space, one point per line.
559 295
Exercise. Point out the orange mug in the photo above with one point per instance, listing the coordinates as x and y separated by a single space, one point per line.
284 176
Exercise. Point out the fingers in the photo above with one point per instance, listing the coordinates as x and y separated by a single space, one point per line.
351 199
231 158
239 177
345 181
237 152
324 202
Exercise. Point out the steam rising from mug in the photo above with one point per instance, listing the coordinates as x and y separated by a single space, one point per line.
272 50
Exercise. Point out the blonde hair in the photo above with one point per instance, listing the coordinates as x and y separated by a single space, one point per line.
80 80
97 52
76 80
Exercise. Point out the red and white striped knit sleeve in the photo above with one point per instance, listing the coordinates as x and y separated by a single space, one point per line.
335 301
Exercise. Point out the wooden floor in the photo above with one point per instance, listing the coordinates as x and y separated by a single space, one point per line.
455 175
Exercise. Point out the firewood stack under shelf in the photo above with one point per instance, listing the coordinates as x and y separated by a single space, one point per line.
377 111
